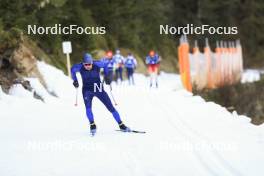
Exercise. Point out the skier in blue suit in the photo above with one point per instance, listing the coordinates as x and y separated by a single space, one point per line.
119 64
109 64
153 63
130 64
93 87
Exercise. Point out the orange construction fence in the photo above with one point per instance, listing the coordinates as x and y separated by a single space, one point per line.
210 69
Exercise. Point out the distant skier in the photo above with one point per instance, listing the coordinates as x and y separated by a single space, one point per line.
153 61
130 64
93 87
119 64
109 62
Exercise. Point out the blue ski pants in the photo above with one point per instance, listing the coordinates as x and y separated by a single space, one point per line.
104 98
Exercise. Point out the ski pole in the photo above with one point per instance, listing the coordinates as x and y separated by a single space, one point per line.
76 98
111 93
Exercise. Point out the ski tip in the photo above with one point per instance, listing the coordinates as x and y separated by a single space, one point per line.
142 132
132 131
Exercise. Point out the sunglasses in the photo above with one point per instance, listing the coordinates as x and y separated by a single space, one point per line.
87 64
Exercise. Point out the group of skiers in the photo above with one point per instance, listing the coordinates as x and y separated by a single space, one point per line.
116 64
111 64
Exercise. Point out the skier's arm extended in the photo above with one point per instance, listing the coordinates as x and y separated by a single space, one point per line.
75 68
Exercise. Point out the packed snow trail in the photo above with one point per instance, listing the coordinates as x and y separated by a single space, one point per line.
185 135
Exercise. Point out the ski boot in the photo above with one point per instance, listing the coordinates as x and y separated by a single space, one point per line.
123 127
92 129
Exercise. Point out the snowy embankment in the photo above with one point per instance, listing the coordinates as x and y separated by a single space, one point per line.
251 75
185 135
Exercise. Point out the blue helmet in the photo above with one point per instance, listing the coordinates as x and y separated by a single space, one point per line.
87 58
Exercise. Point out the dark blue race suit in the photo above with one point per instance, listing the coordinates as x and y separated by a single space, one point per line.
93 87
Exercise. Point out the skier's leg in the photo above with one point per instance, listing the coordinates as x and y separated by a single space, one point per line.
132 76
156 75
121 74
104 98
152 75
127 73
129 76
88 97
149 71
129 80
109 76
116 75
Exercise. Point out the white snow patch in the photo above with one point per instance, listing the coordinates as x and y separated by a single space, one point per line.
19 91
250 75
1 93
57 82
40 89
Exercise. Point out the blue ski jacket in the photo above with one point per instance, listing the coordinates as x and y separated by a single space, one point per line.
130 62
119 60
110 63
89 77
152 60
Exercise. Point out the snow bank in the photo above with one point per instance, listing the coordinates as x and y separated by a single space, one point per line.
40 89
250 75
1 93
19 91
57 82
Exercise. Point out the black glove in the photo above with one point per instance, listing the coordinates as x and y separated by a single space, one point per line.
107 80
75 84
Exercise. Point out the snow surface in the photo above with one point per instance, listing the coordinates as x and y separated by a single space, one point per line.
251 75
185 135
